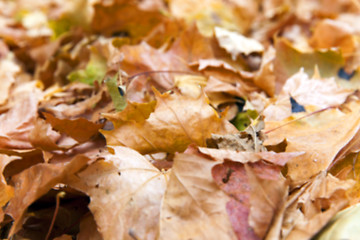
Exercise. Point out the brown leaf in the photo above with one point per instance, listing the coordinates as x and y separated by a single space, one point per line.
309 135
6 191
8 70
43 137
17 123
312 206
193 206
88 229
123 16
176 122
317 91
266 199
34 182
249 157
80 129
125 192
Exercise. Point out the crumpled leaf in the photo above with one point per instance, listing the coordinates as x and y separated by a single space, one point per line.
125 192
315 91
8 70
17 123
6 191
312 206
251 139
34 182
236 44
221 155
176 122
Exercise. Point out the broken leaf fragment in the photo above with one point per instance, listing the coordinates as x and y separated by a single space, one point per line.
117 96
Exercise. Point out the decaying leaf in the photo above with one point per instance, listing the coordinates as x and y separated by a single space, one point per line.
250 140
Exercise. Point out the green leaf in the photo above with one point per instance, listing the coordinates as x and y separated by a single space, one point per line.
94 71
243 119
118 99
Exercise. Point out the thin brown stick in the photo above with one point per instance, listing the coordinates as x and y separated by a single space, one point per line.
58 196
305 116
161 71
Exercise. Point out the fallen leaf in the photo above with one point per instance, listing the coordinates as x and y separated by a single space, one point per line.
310 208
88 229
80 129
315 91
125 194
193 205
308 135
190 121
236 44
34 182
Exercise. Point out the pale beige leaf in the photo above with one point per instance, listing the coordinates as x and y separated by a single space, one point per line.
125 193
236 44
317 91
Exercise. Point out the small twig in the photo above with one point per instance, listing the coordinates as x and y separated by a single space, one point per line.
58 196
305 116
161 71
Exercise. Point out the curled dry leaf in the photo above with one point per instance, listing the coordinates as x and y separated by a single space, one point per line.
8 70
6 191
176 122
317 91
80 129
236 44
125 190
34 182
43 137
18 122
313 205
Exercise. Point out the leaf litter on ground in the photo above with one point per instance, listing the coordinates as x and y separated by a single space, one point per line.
175 119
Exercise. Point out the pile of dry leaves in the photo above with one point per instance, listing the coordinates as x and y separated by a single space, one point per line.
179 119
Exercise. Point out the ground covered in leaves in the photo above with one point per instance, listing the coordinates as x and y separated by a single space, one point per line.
179 119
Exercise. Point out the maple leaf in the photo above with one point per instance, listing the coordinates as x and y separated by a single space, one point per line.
308 135
175 122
